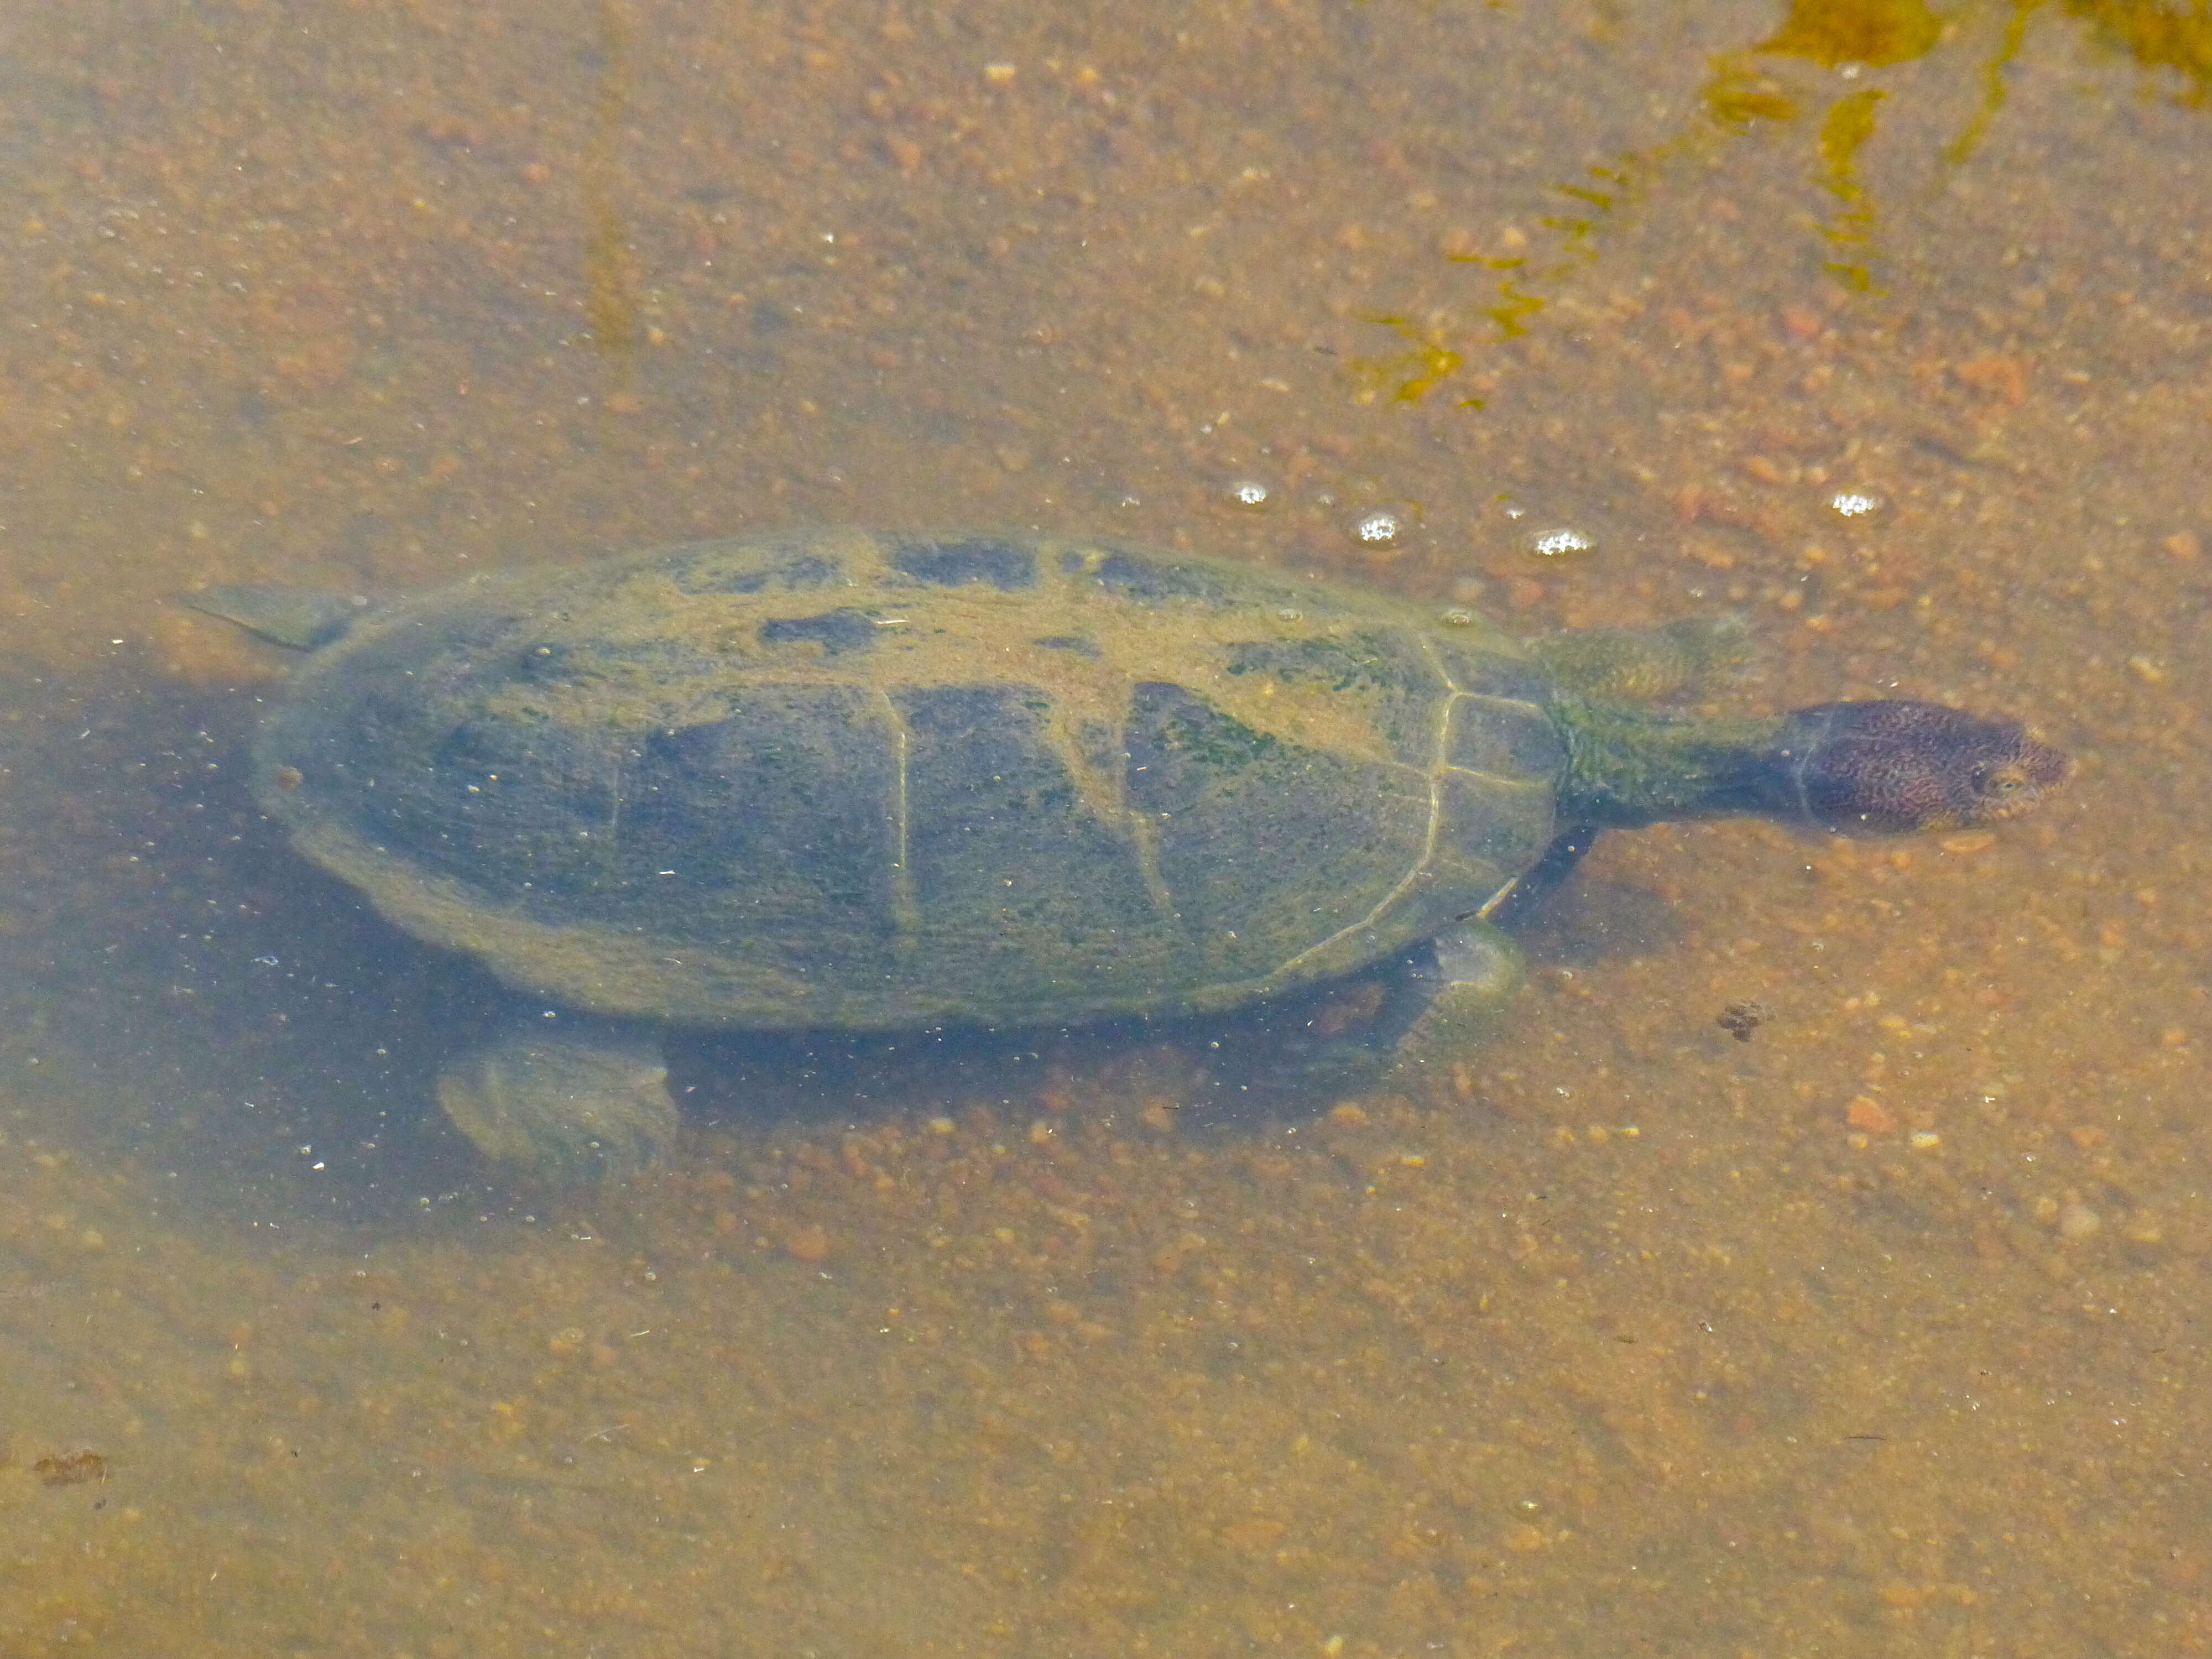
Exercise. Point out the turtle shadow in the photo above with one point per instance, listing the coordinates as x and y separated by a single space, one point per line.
1225 1073
1590 921
180 990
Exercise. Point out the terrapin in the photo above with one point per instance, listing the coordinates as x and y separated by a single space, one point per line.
836 779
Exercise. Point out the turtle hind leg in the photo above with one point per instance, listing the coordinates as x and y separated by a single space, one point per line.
570 1100
1647 664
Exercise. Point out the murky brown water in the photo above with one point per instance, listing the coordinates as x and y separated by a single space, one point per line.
1884 1330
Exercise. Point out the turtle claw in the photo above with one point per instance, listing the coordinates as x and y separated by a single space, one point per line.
583 1102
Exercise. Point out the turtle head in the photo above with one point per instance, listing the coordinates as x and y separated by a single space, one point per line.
1892 766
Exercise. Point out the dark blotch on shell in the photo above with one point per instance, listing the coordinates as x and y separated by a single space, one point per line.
710 570
955 564
1145 578
836 631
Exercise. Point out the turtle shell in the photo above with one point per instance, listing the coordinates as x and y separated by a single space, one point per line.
840 779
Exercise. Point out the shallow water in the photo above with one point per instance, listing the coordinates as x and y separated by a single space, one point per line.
1882 1330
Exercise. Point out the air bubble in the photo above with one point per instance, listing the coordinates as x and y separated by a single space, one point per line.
1289 613
1560 544
1384 526
1459 617
1250 494
1856 503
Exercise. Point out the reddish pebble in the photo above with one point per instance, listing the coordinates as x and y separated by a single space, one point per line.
1870 1115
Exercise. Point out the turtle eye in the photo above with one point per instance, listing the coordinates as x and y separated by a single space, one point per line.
2005 779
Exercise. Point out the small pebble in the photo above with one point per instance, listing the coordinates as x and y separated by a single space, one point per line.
1971 840
2076 1220
1740 1020
1866 1113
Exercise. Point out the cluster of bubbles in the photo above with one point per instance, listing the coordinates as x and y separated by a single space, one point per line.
1376 526
1387 525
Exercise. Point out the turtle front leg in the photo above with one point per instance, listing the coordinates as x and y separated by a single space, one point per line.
1454 994
1435 1004
573 1099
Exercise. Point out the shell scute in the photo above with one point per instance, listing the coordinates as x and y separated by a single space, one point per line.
1193 767
1503 739
778 818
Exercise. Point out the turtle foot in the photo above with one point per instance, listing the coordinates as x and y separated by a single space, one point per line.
1470 984
1435 1007
576 1102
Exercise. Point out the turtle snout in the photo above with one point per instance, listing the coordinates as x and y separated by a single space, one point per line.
2008 786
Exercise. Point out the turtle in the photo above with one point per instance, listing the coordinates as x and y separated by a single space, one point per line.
852 781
